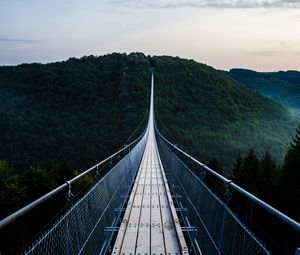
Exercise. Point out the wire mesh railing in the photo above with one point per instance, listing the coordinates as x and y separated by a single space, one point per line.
214 228
81 230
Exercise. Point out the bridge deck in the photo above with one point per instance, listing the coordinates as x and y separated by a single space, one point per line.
150 225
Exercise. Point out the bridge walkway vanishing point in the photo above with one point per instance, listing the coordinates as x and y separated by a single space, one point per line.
150 224
130 210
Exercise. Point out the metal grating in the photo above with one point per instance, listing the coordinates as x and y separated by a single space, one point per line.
150 224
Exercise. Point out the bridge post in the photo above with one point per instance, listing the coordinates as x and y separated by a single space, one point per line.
69 192
203 174
227 194
227 198
111 162
97 174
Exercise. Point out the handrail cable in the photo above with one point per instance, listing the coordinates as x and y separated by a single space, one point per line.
50 194
292 223
163 125
137 128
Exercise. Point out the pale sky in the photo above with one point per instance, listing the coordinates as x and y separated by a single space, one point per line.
256 34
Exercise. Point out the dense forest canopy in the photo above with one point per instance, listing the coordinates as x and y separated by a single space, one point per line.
60 118
78 111
81 110
283 87
210 115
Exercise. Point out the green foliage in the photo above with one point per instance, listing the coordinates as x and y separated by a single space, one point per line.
291 178
81 110
248 174
12 191
215 165
267 167
237 167
60 118
278 186
258 176
210 115
263 178
57 120
283 87
77 111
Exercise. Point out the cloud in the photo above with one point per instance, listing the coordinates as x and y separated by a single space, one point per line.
112 11
284 44
265 53
208 3
279 43
18 40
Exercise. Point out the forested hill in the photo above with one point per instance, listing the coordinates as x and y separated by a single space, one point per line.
211 115
80 110
283 87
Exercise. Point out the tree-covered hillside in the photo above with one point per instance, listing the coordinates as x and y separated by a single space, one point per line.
210 115
81 110
77 111
283 87
60 118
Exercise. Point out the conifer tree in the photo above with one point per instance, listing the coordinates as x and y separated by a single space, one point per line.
268 167
213 183
266 178
215 165
236 172
12 191
291 177
247 172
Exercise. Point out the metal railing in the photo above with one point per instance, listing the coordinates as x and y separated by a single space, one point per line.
282 217
213 228
65 186
84 227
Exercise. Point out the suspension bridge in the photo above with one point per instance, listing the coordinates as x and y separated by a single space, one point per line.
151 203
